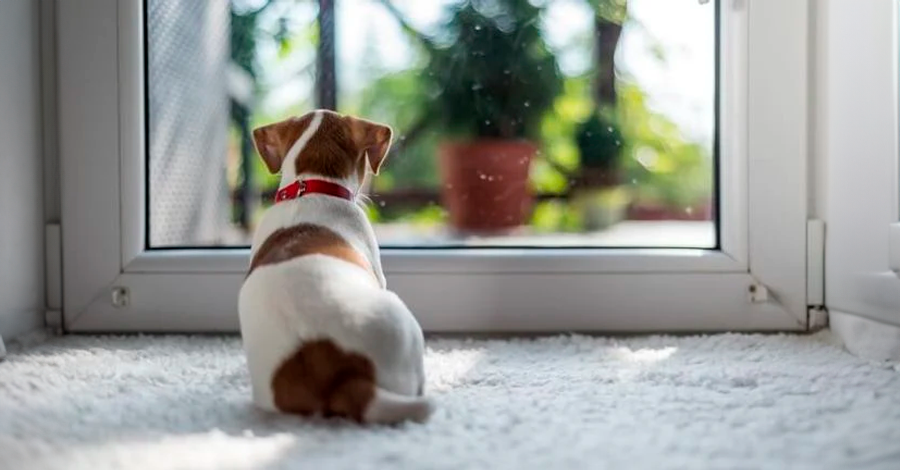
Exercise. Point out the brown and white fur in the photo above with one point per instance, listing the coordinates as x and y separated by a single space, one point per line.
322 334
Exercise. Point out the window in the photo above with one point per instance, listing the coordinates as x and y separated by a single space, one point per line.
616 100
694 220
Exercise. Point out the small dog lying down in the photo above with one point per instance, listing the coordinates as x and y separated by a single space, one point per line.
322 334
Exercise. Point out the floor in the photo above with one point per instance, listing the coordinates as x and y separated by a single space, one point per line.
723 402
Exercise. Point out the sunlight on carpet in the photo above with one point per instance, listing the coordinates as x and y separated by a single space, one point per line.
721 401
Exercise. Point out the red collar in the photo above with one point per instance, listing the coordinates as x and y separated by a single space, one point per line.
299 189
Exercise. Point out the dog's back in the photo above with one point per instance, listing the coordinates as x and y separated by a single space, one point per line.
321 333
322 338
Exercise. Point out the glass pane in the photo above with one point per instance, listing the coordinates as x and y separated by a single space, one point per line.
518 123
215 71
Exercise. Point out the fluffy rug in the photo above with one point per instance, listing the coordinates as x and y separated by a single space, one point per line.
723 402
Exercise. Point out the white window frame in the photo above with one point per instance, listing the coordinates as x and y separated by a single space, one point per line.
763 181
857 127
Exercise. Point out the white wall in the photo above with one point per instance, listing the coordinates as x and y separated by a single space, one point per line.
21 170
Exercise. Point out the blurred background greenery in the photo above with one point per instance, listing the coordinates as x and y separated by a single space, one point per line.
604 143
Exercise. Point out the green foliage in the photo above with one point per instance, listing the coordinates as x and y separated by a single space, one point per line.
556 216
462 85
599 141
665 168
372 213
244 36
496 77
615 11
557 128
428 215
397 98
660 165
243 40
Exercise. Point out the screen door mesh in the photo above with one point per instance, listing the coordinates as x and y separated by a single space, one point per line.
188 121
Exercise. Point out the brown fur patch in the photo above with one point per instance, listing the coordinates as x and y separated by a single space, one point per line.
341 146
320 377
372 138
331 150
274 141
306 239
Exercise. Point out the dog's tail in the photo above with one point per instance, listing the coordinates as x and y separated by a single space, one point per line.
322 378
390 408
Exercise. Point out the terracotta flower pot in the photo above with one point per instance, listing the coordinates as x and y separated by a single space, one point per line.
485 184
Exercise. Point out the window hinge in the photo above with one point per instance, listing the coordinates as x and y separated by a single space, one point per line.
815 263
120 297
757 293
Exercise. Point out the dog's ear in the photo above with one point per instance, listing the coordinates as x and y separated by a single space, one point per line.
372 138
274 140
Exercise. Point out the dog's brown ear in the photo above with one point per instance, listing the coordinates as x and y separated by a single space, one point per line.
274 140
372 138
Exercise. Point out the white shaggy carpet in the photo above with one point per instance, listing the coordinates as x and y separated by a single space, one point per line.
723 402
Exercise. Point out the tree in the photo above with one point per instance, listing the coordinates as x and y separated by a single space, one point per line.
244 31
599 137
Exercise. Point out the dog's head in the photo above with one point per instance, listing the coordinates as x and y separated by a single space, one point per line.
324 143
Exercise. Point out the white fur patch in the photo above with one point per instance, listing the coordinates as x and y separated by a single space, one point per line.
287 166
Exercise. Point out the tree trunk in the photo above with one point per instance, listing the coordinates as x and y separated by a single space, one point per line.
326 74
606 41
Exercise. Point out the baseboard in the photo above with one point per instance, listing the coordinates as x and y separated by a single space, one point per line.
866 338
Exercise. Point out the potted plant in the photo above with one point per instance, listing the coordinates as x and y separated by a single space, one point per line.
598 193
492 81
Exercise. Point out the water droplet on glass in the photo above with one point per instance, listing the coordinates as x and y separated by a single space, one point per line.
540 68
634 181
506 72
481 176
490 178
449 186
618 142
487 123
589 133
527 104
609 129
477 87
477 28
381 203
689 210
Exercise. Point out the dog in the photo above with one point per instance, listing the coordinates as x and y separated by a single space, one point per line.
321 333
